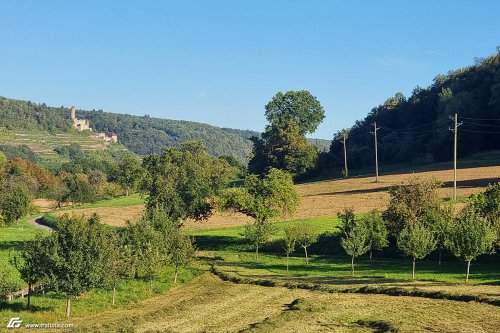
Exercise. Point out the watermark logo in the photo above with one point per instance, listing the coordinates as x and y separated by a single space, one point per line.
14 322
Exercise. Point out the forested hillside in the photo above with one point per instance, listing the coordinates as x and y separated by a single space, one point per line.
142 135
416 128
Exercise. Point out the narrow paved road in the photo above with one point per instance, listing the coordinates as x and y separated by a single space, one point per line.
36 222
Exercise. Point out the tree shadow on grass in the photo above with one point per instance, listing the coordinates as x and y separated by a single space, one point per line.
19 307
218 243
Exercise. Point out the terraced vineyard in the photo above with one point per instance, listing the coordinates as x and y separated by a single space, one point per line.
43 143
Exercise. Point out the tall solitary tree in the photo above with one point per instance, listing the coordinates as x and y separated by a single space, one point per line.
470 236
299 106
183 182
416 241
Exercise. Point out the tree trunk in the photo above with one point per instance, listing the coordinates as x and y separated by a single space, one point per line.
287 256
29 296
151 283
126 192
175 274
305 251
257 252
371 254
68 306
114 293
439 258
468 269
352 265
413 271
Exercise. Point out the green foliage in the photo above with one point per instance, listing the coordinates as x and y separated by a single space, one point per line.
8 283
306 236
416 241
411 202
77 189
470 236
298 106
263 199
376 231
14 203
285 148
290 242
356 241
258 234
183 182
487 205
128 172
180 250
32 263
347 219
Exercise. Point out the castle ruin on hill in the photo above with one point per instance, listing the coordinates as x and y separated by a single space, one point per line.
84 124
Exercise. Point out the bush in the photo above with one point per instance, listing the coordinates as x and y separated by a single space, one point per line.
50 220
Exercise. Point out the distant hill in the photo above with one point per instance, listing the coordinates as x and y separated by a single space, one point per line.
416 128
140 134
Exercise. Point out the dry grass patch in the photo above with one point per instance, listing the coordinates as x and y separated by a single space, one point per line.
208 304
115 216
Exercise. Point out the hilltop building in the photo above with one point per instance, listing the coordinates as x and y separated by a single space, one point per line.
84 124
79 124
108 136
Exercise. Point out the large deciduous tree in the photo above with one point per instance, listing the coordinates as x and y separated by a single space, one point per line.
411 202
298 106
183 182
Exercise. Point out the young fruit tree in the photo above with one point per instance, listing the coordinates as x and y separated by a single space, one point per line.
116 262
376 230
31 264
180 250
306 236
258 234
76 258
289 242
355 242
470 236
416 241
263 199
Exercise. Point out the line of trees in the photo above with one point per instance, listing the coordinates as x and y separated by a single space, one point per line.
416 221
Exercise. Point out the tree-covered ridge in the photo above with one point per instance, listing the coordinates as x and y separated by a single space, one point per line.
417 127
141 134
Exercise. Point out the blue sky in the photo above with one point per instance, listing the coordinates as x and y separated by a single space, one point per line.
220 62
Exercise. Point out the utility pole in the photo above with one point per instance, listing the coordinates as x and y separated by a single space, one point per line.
455 132
376 152
344 134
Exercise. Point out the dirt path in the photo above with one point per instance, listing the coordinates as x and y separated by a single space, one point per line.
35 221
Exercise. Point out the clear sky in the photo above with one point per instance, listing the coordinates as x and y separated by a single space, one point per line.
220 62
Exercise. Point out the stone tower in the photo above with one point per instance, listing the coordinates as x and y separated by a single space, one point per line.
73 113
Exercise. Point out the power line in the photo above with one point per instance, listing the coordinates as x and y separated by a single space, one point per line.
485 119
472 131
477 124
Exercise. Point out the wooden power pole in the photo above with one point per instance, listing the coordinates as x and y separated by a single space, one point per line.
375 128
455 132
344 134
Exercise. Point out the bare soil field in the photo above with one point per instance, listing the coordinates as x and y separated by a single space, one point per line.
208 304
327 198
